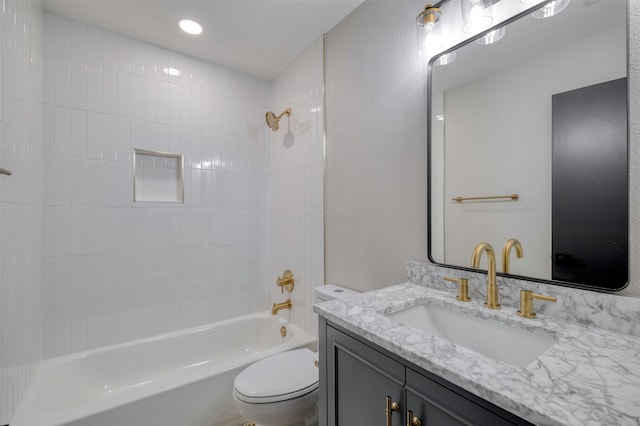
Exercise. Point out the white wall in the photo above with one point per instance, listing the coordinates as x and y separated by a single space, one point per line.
515 155
375 207
115 270
297 180
20 199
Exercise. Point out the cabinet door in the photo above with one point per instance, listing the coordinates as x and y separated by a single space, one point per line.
359 381
438 405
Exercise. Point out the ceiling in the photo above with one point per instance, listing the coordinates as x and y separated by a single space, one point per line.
257 37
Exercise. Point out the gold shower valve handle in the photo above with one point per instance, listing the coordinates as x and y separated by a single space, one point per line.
463 288
286 282
526 302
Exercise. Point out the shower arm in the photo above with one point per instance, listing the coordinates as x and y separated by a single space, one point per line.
286 112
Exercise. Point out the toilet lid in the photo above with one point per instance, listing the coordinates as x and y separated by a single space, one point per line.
283 376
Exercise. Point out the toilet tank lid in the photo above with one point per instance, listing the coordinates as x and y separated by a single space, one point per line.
332 291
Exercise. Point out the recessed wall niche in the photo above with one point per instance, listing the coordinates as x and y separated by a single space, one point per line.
158 176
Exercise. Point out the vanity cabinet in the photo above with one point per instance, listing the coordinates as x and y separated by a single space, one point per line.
360 382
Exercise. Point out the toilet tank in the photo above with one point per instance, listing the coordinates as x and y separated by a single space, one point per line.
331 292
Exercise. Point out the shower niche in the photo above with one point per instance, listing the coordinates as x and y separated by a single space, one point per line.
158 176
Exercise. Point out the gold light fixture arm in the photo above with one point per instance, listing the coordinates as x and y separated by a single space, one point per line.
429 16
506 253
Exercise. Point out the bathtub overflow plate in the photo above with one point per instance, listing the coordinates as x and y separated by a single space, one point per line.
283 331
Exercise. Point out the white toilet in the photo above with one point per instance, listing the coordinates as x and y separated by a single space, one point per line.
282 390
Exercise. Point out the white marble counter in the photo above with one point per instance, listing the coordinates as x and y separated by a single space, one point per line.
591 376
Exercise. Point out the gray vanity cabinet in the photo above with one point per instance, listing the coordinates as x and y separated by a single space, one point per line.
359 380
435 404
362 380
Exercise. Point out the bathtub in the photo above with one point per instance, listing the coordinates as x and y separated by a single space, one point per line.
183 378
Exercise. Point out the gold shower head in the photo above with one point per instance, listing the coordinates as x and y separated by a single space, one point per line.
272 120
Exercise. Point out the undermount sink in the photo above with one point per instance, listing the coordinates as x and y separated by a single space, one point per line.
498 341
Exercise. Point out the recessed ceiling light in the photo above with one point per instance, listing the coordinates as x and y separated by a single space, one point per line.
190 27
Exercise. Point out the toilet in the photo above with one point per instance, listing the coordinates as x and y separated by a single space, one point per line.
282 390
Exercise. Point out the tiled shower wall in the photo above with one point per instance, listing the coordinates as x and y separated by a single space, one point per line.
115 270
20 199
297 161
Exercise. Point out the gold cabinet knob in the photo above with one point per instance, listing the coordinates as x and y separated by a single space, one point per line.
463 288
526 302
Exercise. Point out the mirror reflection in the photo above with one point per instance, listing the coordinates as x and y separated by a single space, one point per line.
542 114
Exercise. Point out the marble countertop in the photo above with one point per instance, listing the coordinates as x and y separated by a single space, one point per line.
591 376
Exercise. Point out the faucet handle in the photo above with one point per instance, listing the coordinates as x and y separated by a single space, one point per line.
286 282
526 302
463 288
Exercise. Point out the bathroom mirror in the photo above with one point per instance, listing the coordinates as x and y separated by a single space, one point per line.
541 113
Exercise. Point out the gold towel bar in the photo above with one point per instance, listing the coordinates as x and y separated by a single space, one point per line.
512 197
4 171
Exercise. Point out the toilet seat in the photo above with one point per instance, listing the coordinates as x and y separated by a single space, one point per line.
280 377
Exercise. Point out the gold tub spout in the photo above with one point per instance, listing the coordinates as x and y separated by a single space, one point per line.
280 306
492 288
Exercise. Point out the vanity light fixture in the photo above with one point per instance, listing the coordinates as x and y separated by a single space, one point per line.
426 22
190 27
475 16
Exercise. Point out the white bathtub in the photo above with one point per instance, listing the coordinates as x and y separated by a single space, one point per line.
184 378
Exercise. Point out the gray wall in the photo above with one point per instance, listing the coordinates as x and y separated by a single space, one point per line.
375 207
375 211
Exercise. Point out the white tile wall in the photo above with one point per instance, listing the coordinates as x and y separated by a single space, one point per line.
297 166
21 144
115 270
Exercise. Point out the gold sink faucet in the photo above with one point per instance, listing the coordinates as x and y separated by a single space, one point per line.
280 306
492 288
506 252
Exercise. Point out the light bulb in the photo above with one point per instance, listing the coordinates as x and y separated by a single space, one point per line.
475 17
429 26
430 45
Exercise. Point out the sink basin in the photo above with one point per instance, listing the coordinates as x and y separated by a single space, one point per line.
499 341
